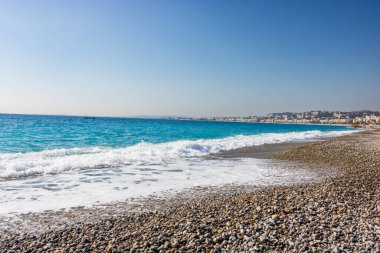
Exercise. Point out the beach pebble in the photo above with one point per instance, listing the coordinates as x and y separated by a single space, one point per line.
339 214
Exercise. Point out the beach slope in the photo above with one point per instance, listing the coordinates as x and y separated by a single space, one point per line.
341 213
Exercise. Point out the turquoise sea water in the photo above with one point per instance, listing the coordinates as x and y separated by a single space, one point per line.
54 162
26 133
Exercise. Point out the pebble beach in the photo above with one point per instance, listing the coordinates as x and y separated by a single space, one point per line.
340 213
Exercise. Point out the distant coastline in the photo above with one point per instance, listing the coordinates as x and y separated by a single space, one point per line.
355 119
363 118
359 119
260 122
293 123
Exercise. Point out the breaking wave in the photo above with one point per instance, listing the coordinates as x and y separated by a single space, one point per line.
16 165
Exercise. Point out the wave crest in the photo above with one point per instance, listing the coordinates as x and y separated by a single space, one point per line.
60 160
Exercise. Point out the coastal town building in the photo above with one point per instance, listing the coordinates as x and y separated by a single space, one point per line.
355 118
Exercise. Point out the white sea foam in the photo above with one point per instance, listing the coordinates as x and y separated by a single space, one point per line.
105 185
137 171
16 165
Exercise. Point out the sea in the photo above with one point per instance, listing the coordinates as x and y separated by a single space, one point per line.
62 162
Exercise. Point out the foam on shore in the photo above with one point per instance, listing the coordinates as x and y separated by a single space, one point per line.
19 165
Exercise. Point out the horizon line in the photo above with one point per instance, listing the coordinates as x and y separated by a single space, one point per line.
173 116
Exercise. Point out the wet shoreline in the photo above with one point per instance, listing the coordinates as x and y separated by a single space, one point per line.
247 219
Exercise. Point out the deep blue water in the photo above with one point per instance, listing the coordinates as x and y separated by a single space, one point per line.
25 133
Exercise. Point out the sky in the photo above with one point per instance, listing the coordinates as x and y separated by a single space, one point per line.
188 58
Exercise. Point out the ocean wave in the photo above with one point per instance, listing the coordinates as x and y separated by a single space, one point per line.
18 165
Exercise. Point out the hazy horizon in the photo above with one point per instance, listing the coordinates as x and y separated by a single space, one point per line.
198 58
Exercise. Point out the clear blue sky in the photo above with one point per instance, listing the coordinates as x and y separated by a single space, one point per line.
200 58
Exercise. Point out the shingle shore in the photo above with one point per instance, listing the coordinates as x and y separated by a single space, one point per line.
341 214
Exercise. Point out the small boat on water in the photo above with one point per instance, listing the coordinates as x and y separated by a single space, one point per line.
88 117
